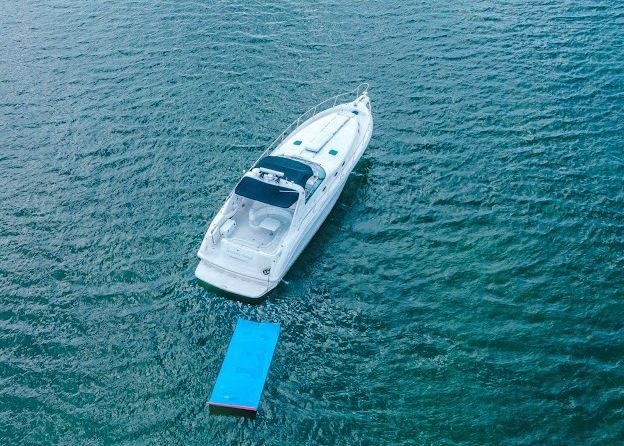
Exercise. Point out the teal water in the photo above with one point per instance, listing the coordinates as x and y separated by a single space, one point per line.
468 288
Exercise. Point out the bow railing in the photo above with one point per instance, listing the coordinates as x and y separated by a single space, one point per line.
321 106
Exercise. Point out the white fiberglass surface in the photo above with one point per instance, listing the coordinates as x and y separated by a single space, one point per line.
249 229
337 142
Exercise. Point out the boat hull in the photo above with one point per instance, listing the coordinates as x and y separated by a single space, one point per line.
348 129
232 282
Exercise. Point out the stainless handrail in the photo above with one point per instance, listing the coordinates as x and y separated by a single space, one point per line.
360 90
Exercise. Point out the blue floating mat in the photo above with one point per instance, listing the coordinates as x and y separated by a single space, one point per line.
245 367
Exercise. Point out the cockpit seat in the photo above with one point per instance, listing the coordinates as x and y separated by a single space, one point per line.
268 218
270 224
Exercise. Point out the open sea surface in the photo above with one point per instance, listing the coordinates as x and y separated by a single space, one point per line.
467 289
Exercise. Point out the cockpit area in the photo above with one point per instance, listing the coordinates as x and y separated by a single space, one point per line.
262 207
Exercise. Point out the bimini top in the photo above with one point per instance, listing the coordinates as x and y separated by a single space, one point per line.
293 170
272 194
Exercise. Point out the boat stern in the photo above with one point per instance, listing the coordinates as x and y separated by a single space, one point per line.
232 282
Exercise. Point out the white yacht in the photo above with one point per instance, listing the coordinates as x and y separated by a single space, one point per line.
280 203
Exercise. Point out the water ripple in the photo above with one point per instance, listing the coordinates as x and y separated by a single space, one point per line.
466 288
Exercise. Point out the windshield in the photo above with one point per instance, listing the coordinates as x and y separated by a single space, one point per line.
272 194
314 181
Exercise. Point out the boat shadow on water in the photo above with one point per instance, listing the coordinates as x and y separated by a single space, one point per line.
231 411
319 245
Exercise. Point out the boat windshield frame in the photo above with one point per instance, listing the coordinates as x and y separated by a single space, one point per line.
313 178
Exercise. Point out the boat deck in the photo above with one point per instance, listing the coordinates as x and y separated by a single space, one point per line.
328 140
255 237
